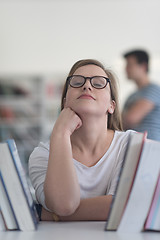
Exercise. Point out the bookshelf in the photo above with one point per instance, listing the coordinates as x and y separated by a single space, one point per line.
29 106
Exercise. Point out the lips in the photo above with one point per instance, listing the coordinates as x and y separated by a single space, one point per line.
86 96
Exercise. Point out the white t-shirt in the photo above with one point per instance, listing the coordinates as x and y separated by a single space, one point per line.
100 179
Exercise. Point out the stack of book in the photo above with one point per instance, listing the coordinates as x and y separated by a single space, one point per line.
136 204
17 206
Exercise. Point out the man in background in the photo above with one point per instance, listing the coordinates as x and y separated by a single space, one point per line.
142 109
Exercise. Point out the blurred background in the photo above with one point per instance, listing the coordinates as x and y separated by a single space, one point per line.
41 39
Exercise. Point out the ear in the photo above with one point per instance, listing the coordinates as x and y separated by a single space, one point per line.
112 107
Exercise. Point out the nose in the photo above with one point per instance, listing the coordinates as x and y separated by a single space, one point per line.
87 84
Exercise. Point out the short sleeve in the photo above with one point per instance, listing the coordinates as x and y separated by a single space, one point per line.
38 163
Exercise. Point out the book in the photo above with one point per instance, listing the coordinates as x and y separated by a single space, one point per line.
17 187
153 218
2 223
126 178
7 212
143 187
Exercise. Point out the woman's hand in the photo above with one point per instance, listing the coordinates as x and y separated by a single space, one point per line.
67 122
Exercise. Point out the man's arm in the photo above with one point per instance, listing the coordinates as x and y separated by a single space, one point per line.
135 114
90 209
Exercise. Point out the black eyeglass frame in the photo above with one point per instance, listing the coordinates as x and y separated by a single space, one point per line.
85 78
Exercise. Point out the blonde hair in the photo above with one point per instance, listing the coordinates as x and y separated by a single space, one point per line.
114 120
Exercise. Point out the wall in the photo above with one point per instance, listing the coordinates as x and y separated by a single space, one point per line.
47 37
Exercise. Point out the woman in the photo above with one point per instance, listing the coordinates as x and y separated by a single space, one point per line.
75 174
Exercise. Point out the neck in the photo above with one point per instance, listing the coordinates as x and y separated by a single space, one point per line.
92 135
142 82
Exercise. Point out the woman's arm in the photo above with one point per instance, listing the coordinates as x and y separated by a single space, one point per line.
91 209
61 187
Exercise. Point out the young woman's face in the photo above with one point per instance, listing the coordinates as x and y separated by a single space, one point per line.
88 99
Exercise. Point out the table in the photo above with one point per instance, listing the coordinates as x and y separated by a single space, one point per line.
76 231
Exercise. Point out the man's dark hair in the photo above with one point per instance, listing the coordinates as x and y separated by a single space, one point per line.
141 56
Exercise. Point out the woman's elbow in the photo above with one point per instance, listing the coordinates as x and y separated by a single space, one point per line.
63 207
68 208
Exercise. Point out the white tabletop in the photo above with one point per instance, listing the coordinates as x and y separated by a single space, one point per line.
76 231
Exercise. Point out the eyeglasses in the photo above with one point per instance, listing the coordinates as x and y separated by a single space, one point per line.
77 81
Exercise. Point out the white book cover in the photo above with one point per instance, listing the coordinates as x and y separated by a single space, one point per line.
2 224
153 219
16 185
126 178
140 198
6 207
